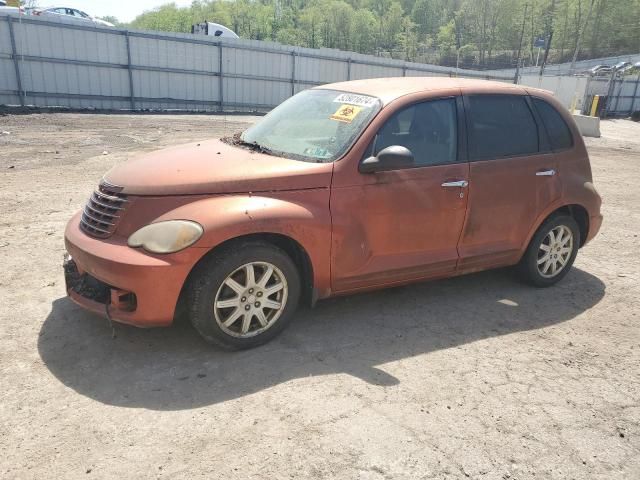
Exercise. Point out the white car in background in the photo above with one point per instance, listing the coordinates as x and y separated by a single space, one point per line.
10 10
68 14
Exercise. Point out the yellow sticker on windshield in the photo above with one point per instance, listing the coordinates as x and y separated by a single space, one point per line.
346 113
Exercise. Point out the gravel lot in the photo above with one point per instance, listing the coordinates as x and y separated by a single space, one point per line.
478 377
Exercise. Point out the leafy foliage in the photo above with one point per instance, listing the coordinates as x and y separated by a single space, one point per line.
473 33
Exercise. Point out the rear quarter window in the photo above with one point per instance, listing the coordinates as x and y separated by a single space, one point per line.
557 129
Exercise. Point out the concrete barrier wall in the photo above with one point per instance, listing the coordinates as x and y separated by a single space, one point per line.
570 90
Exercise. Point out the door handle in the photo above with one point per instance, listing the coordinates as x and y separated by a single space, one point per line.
546 173
456 184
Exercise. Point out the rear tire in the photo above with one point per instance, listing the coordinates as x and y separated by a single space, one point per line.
551 252
243 295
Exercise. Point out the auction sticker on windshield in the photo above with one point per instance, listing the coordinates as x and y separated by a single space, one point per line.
346 113
354 99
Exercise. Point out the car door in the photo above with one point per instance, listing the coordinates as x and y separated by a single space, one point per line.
402 225
512 179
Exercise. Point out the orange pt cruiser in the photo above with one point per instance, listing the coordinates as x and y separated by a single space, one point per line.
342 188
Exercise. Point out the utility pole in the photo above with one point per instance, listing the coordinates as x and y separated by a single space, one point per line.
524 20
552 14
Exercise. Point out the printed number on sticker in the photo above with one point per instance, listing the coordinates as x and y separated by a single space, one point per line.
353 99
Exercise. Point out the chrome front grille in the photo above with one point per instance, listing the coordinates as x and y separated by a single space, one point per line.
102 212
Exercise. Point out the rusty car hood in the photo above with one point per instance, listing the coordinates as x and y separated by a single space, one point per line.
212 167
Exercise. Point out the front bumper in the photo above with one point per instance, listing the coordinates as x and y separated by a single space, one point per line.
139 288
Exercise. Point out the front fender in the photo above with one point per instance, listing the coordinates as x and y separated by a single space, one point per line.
303 216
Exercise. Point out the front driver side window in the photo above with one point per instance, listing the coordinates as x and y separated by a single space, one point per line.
428 129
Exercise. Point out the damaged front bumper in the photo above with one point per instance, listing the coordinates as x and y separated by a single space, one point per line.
93 294
127 285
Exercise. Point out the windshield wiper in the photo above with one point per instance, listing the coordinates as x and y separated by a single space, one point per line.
261 148
238 140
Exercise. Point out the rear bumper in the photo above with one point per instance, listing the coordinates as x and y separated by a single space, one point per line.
141 289
595 222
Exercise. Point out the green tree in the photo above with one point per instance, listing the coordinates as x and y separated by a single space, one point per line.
446 39
393 22
481 33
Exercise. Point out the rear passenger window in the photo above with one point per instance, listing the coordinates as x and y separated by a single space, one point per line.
501 126
557 129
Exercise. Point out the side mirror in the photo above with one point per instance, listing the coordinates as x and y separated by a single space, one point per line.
394 157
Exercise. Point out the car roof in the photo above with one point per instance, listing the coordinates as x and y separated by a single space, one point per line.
388 89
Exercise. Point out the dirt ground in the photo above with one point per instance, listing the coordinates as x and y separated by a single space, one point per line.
478 377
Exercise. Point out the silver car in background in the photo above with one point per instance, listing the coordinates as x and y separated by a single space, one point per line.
67 14
10 10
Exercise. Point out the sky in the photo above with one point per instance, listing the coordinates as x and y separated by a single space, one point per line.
123 10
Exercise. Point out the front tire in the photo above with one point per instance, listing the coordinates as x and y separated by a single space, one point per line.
551 252
243 295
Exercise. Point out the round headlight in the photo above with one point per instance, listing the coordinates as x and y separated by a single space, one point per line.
166 237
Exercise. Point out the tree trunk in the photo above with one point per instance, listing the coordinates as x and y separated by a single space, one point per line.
547 47
580 34
524 21
595 38
533 36
564 31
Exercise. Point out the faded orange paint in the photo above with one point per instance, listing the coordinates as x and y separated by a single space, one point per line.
360 231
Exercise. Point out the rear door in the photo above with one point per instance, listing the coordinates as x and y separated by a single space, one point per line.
512 179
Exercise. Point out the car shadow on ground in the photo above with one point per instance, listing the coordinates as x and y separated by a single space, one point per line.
173 369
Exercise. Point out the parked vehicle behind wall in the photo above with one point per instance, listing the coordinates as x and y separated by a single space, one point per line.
213 30
66 14
10 10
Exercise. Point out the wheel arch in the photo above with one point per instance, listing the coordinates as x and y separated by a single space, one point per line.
289 245
576 211
580 215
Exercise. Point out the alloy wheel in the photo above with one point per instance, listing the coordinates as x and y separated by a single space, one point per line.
555 251
251 299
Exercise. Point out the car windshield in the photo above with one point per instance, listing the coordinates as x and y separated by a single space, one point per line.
314 125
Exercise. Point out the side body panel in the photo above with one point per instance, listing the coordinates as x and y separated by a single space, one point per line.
506 198
302 215
397 226
157 280
574 171
403 226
